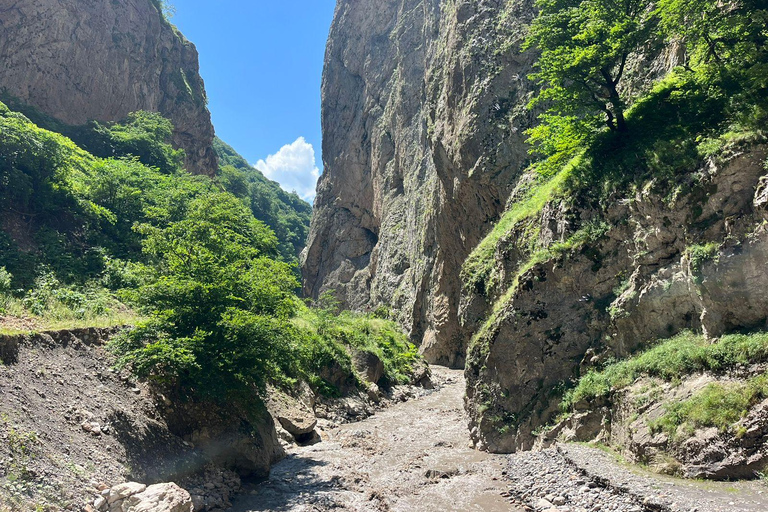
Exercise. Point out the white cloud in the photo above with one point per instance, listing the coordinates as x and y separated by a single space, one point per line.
294 168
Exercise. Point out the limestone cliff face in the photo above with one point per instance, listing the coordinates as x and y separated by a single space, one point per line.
423 122
636 283
81 60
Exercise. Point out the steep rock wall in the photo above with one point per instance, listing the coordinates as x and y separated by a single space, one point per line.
423 139
637 283
80 60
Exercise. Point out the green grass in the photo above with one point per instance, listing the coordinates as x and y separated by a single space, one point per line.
719 404
52 306
330 335
118 319
591 232
478 271
671 360
699 254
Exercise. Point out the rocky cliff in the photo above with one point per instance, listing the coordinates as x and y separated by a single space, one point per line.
89 60
423 121
427 207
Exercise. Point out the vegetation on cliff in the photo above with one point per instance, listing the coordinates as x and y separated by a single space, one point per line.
590 166
91 238
284 212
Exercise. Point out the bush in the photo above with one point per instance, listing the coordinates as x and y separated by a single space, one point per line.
218 305
671 360
5 281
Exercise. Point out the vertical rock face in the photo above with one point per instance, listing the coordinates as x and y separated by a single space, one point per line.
81 60
423 139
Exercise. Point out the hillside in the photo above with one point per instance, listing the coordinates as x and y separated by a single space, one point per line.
285 212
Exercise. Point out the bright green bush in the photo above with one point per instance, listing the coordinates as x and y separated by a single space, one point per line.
671 360
144 135
332 332
218 304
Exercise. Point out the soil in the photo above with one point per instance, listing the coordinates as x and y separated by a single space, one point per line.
415 455
54 392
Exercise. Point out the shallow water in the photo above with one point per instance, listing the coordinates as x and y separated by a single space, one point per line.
413 456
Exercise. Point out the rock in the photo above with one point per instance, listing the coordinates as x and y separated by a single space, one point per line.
368 365
159 498
246 443
548 327
122 491
292 415
100 503
374 393
120 57
543 504
396 216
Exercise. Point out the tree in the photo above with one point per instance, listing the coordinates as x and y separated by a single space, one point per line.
147 136
730 33
219 305
585 48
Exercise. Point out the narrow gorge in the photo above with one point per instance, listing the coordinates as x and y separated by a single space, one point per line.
533 277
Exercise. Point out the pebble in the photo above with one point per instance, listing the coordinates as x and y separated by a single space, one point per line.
544 481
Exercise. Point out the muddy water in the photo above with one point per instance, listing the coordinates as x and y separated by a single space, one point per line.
414 456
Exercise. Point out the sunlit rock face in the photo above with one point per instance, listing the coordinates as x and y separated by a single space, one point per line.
423 141
79 60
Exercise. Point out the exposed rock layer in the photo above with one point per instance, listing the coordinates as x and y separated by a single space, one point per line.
422 142
88 60
637 284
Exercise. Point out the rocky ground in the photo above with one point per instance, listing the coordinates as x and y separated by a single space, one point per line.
578 478
414 455
71 427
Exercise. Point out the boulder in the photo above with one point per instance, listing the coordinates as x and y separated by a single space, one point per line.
126 490
160 498
368 365
292 414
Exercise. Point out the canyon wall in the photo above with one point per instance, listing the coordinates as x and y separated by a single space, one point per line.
423 120
82 60
424 114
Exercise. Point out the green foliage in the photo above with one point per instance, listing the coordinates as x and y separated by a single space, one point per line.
221 314
478 271
286 213
585 46
671 360
363 332
5 281
218 305
698 254
719 404
144 135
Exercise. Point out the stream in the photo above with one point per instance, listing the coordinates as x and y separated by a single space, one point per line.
414 455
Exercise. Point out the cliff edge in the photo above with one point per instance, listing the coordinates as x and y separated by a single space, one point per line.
80 61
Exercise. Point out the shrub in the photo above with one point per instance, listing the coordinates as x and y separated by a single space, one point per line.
671 360
218 305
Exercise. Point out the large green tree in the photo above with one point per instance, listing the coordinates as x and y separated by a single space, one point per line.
585 48
219 303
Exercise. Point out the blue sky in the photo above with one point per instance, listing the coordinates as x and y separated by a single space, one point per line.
262 62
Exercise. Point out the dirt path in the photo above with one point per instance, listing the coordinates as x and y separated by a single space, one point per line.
413 456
